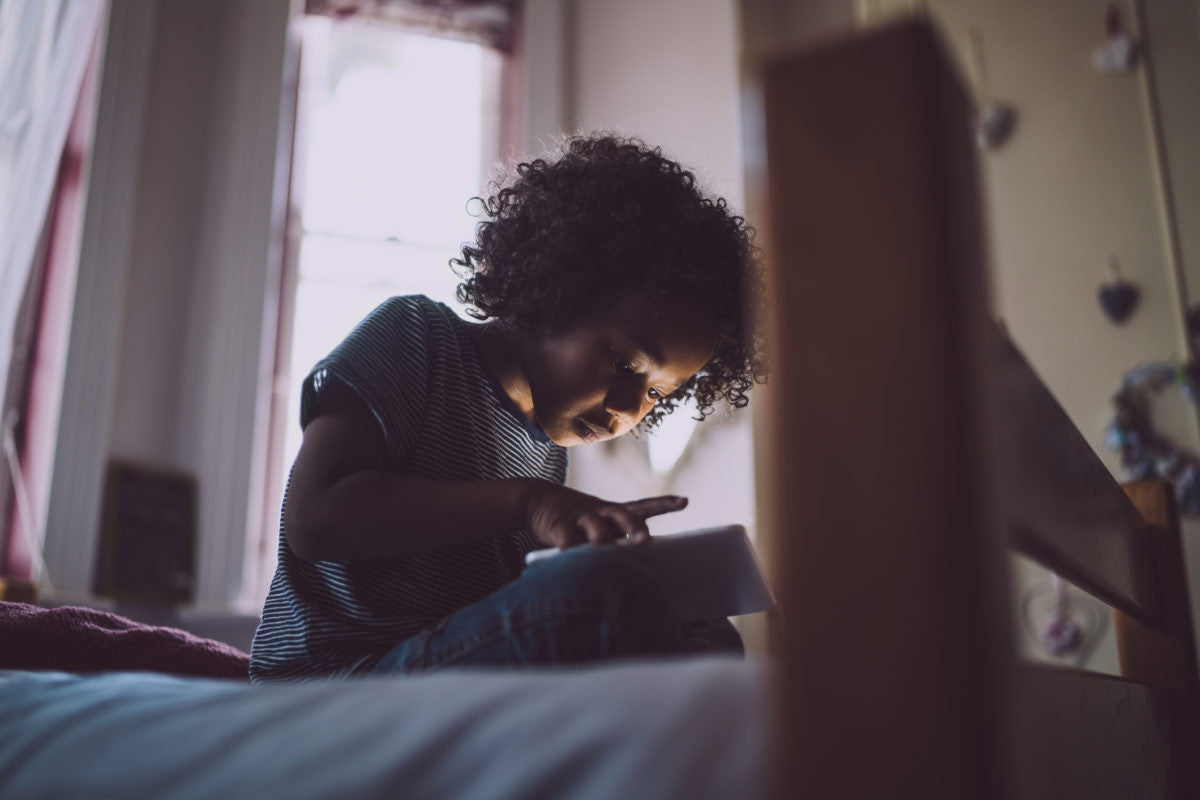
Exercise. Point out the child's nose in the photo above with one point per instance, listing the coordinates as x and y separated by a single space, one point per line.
629 402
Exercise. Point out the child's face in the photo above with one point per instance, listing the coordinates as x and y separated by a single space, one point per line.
597 379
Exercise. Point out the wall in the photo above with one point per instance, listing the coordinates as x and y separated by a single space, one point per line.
1076 184
170 207
1097 167
177 277
93 340
666 71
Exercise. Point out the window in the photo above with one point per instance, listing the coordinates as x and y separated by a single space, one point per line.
396 130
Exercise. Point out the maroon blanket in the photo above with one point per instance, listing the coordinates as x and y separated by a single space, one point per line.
75 639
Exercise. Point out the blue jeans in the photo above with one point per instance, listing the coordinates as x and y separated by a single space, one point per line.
586 604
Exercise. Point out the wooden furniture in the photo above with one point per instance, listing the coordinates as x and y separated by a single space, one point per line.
913 447
17 590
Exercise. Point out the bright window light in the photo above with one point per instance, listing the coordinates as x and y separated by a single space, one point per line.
396 131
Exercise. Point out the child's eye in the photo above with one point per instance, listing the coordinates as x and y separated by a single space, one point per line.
620 365
655 394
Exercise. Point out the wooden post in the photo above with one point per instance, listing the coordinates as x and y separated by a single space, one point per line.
1166 658
1163 658
888 555
17 590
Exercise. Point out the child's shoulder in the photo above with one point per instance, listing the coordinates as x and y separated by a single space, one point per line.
415 304
418 311
413 328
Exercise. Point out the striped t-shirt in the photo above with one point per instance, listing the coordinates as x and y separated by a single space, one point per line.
443 416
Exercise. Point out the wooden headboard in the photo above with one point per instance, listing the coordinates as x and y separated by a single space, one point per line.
913 449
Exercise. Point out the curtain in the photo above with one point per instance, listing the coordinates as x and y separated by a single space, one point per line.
44 49
489 22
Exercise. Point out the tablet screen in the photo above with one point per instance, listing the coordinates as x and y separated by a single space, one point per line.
706 573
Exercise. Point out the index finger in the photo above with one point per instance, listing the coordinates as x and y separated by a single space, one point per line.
653 506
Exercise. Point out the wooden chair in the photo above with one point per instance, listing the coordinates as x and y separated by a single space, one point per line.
914 447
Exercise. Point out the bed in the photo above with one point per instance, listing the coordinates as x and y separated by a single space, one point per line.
582 733
930 449
910 448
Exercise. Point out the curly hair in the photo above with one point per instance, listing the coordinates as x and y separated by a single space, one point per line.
607 216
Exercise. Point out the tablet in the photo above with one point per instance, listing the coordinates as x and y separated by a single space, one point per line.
706 573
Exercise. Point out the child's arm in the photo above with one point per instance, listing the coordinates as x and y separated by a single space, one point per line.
343 503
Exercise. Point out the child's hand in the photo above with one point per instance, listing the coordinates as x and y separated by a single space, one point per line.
562 517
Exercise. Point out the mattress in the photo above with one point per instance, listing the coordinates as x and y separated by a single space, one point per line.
684 728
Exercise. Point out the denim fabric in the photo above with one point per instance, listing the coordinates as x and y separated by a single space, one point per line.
586 604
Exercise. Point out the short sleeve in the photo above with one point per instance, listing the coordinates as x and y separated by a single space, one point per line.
386 362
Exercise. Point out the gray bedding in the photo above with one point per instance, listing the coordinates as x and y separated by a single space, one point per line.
690 728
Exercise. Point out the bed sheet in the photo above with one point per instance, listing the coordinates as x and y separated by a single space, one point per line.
692 729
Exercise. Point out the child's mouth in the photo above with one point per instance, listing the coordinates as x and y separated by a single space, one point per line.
588 432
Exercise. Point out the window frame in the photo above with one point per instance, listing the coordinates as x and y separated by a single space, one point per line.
501 99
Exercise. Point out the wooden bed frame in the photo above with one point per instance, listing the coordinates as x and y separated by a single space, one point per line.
913 447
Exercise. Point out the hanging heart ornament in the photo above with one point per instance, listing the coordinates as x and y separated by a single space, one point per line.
996 119
994 125
1118 297
1118 300
1065 622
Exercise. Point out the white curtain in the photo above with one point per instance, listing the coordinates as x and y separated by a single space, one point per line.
44 48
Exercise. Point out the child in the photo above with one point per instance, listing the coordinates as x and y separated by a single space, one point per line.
609 290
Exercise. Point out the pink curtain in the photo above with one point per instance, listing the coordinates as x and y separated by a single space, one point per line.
46 47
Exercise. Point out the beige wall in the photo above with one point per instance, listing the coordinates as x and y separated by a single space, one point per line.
176 278
170 205
1078 182
666 71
